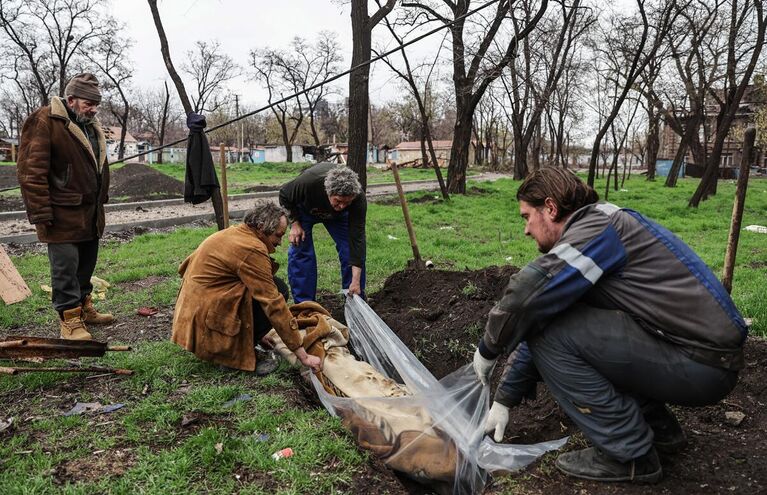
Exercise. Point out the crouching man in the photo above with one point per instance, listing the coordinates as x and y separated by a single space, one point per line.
229 297
619 318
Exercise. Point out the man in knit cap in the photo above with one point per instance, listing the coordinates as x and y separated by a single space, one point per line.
64 179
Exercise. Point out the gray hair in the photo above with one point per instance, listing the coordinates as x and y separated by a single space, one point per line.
342 181
264 216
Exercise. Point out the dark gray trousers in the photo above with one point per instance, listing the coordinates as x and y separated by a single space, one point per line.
72 265
602 368
261 323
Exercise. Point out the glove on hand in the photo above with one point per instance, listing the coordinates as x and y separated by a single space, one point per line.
482 367
497 419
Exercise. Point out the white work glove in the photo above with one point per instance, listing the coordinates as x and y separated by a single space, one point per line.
482 367
497 419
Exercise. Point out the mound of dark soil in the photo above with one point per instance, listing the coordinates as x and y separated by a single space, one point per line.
8 177
441 315
138 182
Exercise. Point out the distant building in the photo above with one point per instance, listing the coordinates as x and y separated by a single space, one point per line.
409 151
375 154
8 148
277 153
112 135
732 151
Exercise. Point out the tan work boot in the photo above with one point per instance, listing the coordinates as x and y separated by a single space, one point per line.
93 317
72 326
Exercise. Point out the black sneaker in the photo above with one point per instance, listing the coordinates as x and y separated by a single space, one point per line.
669 437
593 464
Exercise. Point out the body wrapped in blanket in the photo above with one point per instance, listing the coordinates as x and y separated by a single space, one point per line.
427 429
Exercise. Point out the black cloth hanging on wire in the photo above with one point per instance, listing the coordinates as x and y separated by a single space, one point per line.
200 181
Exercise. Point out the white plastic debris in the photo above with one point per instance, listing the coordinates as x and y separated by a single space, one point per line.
392 238
760 229
734 418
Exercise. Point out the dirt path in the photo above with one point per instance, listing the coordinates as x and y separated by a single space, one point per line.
14 225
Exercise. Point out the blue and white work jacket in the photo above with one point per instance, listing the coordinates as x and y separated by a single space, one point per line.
614 258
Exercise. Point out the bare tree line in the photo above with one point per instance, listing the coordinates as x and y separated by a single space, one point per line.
521 85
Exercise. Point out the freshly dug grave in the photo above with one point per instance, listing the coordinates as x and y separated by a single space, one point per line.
441 315
138 182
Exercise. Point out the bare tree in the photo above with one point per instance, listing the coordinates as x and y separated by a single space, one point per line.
165 50
155 114
470 82
745 37
210 70
319 61
51 34
359 97
408 77
696 52
110 54
20 95
533 78
280 74
637 38
216 199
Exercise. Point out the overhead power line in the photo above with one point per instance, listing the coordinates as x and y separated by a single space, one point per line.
324 82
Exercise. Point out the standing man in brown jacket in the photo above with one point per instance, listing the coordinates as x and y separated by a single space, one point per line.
229 297
64 179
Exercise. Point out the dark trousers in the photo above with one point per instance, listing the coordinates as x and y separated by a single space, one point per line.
261 324
72 266
302 260
603 368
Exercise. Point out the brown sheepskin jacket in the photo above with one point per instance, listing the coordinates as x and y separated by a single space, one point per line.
214 313
64 185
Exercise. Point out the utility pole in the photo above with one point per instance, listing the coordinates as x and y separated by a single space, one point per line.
237 114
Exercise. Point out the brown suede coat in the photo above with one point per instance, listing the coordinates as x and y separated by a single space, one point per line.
214 313
62 181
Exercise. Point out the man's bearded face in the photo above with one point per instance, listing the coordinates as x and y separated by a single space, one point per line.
85 110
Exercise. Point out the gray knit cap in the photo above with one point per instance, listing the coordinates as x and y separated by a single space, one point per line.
84 86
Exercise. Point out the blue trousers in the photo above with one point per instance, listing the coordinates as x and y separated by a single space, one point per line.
302 260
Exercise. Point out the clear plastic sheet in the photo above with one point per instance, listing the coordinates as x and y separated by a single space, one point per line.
429 429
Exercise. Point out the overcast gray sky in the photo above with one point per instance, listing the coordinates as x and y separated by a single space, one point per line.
240 25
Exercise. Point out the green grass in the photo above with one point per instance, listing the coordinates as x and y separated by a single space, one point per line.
159 456
471 231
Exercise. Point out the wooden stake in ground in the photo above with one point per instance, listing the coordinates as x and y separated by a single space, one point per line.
737 208
406 213
5 370
12 287
224 190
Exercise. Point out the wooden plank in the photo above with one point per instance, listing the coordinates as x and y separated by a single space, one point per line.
12 287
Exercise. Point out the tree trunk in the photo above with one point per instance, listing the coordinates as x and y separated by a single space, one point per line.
459 153
652 143
690 133
182 94
164 121
359 100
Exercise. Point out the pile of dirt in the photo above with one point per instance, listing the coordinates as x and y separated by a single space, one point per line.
8 177
441 315
138 182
